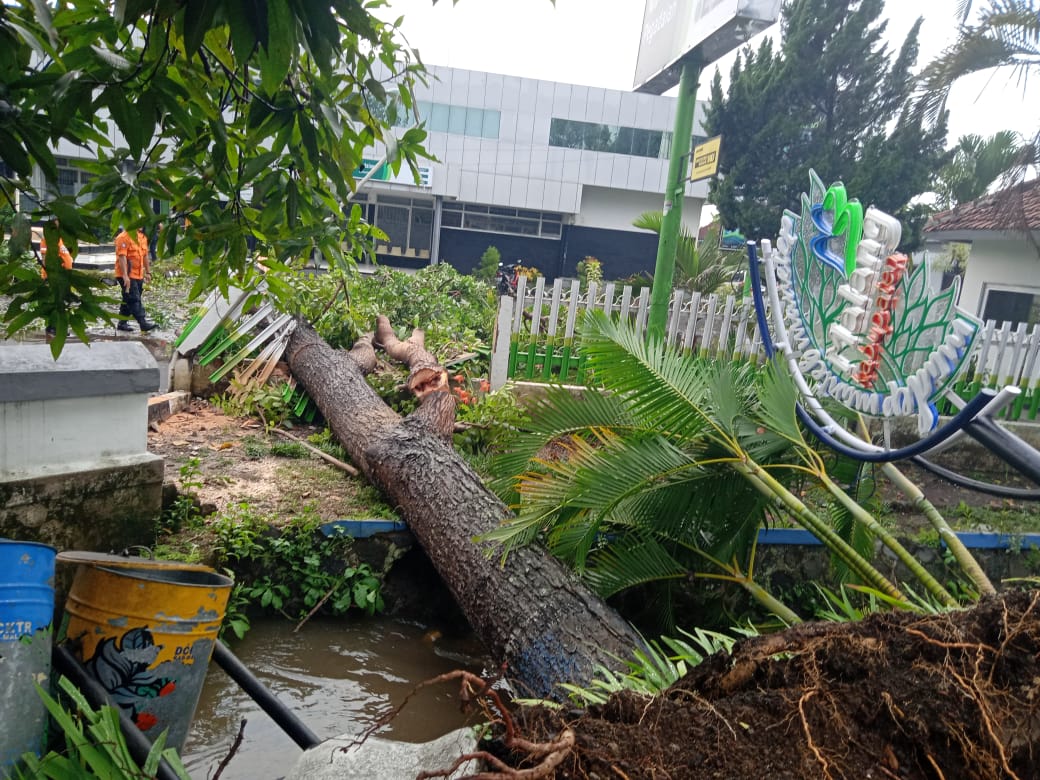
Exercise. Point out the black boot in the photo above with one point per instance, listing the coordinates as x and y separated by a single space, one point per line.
146 325
124 326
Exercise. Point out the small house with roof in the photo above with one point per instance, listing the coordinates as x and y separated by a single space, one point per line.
1002 280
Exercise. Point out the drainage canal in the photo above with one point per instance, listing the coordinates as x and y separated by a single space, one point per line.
338 676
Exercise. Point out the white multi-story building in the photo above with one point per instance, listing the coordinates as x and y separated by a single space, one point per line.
546 172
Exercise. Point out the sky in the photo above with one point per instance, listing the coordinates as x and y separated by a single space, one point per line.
595 43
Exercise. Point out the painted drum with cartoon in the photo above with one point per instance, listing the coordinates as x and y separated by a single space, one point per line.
146 635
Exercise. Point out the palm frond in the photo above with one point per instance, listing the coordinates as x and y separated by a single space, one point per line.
1006 36
777 398
631 560
656 384
557 416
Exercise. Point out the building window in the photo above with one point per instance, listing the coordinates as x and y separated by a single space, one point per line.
408 224
71 179
498 219
453 119
614 139
1016 306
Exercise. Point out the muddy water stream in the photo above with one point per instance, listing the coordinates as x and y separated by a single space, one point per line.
338 676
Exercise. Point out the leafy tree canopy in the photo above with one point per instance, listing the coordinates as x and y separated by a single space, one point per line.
832 98
248 118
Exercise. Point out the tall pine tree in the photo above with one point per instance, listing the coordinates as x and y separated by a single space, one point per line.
831 98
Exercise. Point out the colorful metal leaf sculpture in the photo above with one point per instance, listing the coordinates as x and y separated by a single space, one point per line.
866 326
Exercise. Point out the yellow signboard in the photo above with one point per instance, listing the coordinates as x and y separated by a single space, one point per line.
705 159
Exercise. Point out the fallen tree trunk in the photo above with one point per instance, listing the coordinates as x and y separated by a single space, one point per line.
530 611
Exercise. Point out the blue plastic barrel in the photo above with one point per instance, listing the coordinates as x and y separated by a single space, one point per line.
26 610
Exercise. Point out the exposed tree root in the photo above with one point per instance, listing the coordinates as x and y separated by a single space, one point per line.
475 691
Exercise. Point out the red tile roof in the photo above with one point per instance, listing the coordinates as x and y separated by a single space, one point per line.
1016 208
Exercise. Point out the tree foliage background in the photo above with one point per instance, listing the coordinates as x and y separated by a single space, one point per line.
833 98
248 117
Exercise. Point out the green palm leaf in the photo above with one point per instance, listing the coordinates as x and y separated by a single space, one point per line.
631 560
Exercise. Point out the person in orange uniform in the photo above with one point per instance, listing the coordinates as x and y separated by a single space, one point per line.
63 253
132 271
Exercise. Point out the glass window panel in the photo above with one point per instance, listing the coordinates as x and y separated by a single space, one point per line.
457 120
452 205
393 220
665 150
67 180
654 143
490 126
596 138
502 212
451 219
550 228
623 142
566 133
474 122
421 234
477 221
1010 306
439 118
395 201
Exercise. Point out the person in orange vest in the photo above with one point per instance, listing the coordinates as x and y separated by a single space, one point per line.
63 253
133 269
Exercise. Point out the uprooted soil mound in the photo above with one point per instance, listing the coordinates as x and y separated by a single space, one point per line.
893 696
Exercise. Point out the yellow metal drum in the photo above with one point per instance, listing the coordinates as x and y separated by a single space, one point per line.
146 633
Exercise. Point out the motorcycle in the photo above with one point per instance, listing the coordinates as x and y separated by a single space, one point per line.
506 278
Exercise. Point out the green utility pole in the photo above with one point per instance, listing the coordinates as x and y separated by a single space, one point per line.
675 190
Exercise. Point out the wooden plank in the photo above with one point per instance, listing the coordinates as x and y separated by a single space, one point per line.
1013 372
739 341
1031 361
996 379
500 347
590 298
727 321
572 308
709 326
626 301
691 323
521 303
608 298
536 308
986 338
673 320
643 310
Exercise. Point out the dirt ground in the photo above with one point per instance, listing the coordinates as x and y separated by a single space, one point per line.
237 462
894 696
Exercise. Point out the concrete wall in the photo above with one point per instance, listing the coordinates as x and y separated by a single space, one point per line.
1004 262
75 470
606 208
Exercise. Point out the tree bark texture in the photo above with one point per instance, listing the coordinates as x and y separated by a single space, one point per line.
531 612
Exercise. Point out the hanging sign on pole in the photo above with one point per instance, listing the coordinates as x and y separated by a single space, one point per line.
705 161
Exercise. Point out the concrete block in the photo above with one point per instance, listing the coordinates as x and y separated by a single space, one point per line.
161 407
339 759
110 507
180 375
29 372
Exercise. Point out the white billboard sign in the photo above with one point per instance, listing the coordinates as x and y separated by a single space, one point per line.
676 30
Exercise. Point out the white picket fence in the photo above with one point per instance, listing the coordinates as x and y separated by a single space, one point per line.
547 346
